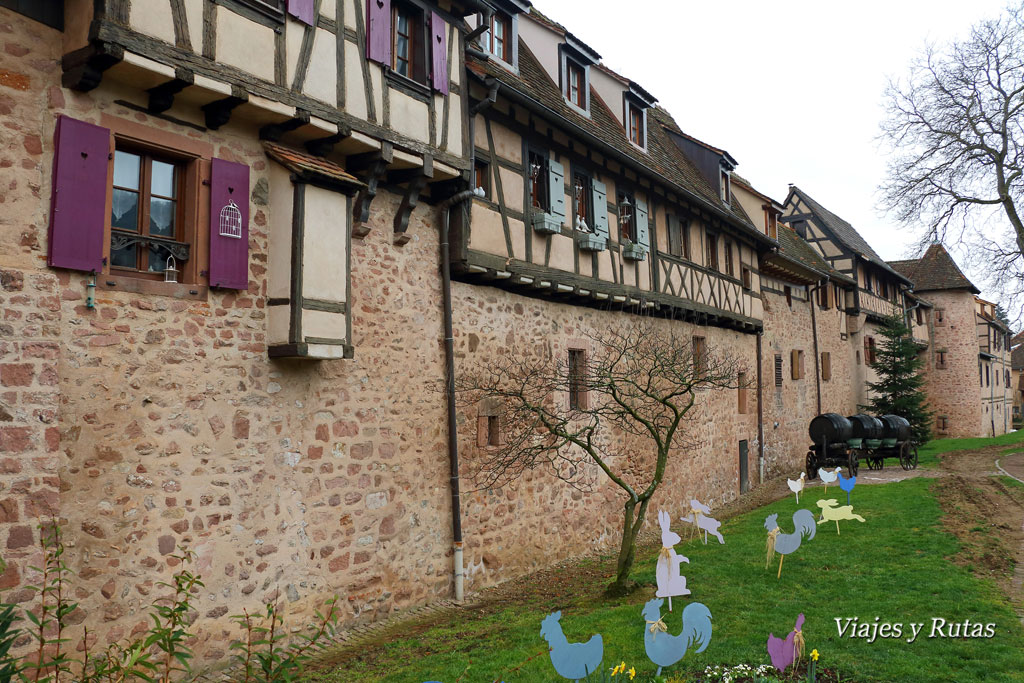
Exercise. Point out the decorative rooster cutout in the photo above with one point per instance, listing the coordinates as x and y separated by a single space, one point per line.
831 513
829 477
699 518
785 652
797 486
670 582
571 660
665 649
784 544
847 485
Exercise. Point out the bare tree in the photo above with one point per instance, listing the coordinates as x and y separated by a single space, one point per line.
621 413
957 145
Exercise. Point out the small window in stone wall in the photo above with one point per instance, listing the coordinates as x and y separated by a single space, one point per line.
700 355
942 424
741 383
940 317
488 424
940 360
577 370
778 369
789 296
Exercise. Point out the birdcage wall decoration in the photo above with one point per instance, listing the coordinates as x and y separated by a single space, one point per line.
230 221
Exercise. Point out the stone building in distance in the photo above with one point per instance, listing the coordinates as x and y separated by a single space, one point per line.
223 317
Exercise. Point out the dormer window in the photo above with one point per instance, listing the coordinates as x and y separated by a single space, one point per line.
498 39
576 83
726 190
637 129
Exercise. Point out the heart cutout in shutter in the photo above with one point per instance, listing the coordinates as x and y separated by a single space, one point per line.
439 37
380 3
85 155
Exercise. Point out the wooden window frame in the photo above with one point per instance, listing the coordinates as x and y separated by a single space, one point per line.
636 124
272 9
585 201
730 268
741 393
826 366
576 370
538 186
484 168
724 182
711 250
699 348
627 228
796 364
195 156
499 18
418 42
574 68
747 277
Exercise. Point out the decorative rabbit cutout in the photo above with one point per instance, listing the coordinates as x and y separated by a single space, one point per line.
670 582
701 521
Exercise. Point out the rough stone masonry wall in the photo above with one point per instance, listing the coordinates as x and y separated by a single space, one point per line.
953 391
539 520
30 309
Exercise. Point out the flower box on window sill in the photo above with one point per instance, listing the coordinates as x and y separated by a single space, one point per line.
546 224
633 252
590 242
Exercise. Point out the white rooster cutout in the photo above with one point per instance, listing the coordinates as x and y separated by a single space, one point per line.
829 477
670 582
797 486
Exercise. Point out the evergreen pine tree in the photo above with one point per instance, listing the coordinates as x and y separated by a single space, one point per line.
899 389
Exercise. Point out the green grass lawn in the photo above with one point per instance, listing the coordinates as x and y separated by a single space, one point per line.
894 566
928 455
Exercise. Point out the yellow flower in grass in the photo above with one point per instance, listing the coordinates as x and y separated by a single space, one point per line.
619 669
632 673
814 654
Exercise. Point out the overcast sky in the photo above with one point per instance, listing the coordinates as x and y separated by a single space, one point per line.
791 88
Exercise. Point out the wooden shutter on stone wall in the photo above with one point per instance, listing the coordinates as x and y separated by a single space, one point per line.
78 200
378 31
794 364
303 11
600 197
643 230
826 366
229 255
439 53
556 189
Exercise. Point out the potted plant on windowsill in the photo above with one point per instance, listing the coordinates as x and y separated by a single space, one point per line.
545 223
632 251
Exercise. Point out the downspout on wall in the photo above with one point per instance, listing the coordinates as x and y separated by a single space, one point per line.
814 334
760 411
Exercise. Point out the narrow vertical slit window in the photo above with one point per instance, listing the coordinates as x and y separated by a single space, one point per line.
741 383
577 379
700 356
778 370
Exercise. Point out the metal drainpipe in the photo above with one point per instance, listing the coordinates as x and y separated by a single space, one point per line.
814 334
760 412
449 359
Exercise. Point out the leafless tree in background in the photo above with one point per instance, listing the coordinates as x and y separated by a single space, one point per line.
638 385
954 125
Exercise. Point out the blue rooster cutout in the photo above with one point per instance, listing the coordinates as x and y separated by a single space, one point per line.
847 485
571 660
665 649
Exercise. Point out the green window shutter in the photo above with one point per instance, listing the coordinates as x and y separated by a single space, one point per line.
556 188
600 196
643 236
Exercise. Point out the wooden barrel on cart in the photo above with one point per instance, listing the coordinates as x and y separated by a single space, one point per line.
865 427
895 429
830 427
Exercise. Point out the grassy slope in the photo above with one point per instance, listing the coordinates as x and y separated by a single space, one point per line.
893 566
928 455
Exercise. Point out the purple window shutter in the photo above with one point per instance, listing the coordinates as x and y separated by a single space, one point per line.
302 10
378 31
229 225
78 199
439 52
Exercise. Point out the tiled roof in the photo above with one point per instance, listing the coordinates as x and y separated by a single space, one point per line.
662 157
300 162
1017 358
843 231
796 249
936 270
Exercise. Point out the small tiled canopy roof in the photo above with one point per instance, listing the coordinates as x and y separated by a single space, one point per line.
309 165
936 270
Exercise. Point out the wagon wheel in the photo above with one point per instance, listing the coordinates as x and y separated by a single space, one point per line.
908 460
812 462
878 462
853 462
912 457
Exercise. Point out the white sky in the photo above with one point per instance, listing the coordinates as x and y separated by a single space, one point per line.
791 88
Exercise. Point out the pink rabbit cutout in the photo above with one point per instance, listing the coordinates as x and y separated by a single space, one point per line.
670 582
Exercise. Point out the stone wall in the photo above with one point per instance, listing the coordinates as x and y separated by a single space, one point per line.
953 391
